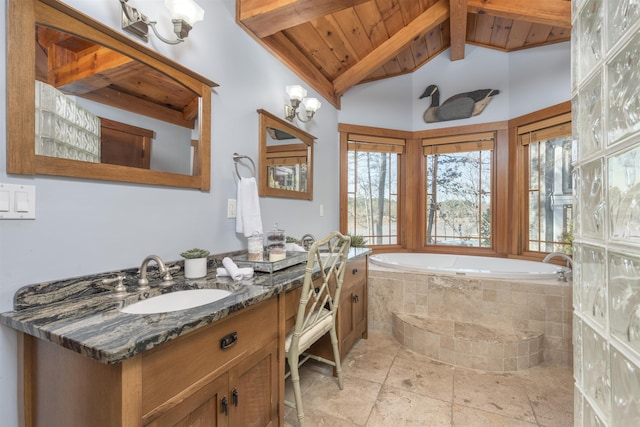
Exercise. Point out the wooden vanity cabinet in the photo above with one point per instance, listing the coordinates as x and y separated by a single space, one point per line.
191 381
352 315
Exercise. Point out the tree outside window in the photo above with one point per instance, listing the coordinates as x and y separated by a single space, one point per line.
372 191
459 193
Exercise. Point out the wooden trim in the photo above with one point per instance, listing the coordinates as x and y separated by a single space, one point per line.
21 126
378 148
267 18
369 139
501 201
555 13
544 124
459 147
344 184
458 28
552 116
461 130
374 132
433 16
25 380
484 136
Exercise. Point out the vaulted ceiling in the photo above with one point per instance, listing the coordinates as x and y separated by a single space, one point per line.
336 44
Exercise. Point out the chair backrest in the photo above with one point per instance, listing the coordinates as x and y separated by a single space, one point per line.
329 255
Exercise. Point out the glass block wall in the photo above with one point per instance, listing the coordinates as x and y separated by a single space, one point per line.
606 296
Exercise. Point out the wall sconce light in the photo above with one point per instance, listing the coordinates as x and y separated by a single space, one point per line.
184 14
296 96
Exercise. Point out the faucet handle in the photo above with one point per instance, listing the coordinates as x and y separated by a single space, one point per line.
119 289
167 279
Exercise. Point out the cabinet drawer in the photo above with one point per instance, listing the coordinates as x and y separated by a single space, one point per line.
174 369
356 272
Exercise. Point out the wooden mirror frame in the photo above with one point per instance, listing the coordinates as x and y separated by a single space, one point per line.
268 120
23 16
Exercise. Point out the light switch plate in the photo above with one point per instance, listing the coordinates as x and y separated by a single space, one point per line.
231 208
17 201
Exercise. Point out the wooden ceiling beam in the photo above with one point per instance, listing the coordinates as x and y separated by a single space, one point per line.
458 28
290 55
435 15
267 17
556 13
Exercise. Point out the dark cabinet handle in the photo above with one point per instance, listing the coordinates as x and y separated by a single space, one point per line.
234 397
225 405
356 298
228 340
354 271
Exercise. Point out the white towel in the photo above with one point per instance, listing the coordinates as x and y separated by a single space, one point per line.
248 219
247 272
294 247
231 268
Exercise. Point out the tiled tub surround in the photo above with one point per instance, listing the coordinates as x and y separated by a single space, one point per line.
84 315
489 324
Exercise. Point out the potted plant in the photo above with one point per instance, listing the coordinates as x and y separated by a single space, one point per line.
195 263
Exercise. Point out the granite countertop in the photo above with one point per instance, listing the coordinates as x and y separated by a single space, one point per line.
84 315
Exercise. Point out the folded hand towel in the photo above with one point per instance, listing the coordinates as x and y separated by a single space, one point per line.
246 272
232 268
294 247
248 218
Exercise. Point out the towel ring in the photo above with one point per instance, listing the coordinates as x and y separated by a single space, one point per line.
236 159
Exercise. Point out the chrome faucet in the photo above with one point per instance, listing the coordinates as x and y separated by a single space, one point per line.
307 240
143 282
562 273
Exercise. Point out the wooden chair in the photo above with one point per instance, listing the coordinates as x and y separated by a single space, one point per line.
316 315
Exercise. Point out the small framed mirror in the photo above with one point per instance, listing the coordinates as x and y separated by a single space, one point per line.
286 159
85 101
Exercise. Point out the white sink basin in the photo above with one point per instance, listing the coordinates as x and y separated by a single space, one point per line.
175 301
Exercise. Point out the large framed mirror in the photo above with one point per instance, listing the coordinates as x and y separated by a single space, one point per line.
85 101
286 159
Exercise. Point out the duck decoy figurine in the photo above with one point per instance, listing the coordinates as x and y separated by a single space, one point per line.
460 106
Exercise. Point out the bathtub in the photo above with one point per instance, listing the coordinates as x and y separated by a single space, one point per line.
468 265
487 313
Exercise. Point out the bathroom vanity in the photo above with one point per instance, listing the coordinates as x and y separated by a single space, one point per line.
85 362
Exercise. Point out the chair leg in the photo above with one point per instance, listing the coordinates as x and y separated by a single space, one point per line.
336 356
297 393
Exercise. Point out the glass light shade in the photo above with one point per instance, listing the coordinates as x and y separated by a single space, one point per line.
296 92
311 104
187 10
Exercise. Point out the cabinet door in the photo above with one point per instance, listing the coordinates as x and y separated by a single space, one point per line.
208 407
253 388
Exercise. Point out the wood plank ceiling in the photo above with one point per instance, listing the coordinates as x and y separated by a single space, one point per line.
336 44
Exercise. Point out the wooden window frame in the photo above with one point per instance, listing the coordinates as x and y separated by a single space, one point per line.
508 212
467 142
387 139
519 171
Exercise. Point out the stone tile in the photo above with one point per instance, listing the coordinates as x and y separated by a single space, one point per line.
378 342
464 416
501 394
421 375
398 407
419 391
353 404
550 390
372 366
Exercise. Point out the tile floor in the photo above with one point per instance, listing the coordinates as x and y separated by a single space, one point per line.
388 385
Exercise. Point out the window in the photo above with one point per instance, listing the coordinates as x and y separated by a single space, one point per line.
547 149
459 190
372 194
